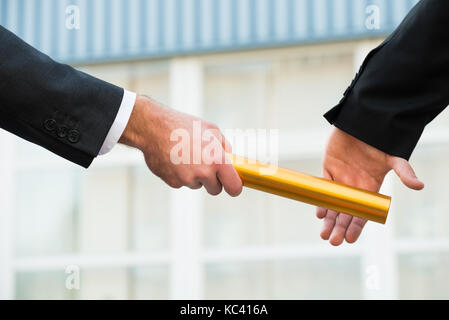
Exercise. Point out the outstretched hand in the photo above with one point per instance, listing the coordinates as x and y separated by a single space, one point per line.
353 162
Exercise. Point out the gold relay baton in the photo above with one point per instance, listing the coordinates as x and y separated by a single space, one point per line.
312 190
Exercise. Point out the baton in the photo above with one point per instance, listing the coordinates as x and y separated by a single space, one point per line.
312 190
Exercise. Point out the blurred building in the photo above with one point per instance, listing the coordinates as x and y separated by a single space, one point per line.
242 64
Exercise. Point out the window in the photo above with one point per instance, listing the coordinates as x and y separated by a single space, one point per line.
116 223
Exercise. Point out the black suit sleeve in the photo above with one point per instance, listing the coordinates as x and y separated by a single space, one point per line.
53 105
402 85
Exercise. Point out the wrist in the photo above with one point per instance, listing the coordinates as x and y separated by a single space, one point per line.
134 133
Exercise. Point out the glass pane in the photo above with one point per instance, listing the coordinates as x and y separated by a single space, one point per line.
109 284
150 209
104 211
42 285
28 152
337 278
306 86
46 209
277 92
234 92
424 276
424 214
234 222
152 79
133 283
62 211
237 281
150 283
139 283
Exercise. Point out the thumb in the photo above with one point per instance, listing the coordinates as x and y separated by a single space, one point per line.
406 173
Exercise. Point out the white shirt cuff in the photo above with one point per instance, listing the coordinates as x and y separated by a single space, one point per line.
120 122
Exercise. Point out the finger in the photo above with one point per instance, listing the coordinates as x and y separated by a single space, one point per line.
226 144
321 213
195 186
406 173
355 229
230 180
223 148
227 149
328 224
339 232
213 185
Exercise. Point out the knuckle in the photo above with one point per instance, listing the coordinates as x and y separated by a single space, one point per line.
175 184
218 158
212 126
190 181
203 173
215 192
185 179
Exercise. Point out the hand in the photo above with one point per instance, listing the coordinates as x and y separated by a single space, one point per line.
353 162
150 130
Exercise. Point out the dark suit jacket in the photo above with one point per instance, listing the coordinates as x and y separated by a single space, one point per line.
402 85
53 105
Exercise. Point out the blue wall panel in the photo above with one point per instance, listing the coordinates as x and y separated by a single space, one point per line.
129 29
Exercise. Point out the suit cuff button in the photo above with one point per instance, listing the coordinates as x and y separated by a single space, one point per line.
62 132
50 125
73 136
